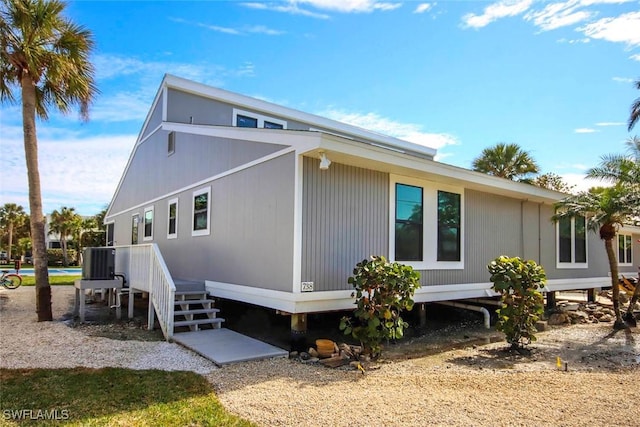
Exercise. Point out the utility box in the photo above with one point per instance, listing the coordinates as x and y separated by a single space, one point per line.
98 263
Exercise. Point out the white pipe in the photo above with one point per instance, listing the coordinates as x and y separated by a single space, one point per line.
484 311
484 301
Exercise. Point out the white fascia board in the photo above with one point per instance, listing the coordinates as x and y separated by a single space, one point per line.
290 114
302 141
307 302
431 170
314 302
576 284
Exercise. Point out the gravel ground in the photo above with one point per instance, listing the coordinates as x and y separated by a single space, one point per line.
479 385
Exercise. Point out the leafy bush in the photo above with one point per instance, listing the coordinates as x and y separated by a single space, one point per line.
54 256
518 282
382 291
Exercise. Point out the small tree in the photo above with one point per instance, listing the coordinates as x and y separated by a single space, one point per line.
382 291
518 282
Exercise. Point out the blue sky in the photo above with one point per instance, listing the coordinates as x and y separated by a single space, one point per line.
554 77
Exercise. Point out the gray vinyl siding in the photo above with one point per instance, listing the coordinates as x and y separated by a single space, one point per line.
344 220
153 173
251 229
154 120
183 106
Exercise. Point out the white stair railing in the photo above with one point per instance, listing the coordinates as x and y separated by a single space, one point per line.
145 270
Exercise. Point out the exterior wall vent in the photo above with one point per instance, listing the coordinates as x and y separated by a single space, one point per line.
98 263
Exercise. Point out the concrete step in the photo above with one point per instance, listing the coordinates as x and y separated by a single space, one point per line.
191 293
197 311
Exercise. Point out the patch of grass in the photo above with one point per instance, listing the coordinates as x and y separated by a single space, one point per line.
112 396
53 280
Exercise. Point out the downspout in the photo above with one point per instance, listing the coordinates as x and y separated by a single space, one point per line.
484 311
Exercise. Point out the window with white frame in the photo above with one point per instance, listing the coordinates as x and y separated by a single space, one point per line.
625 249
246 119
172 219
572 242
148 224
201 212
426 224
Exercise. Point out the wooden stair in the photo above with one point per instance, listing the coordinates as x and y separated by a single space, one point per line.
193 310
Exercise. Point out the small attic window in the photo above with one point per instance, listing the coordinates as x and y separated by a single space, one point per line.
171 143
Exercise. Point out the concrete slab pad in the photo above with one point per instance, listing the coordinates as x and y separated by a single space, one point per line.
223 346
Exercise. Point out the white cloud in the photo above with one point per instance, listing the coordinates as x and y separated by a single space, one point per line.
423 7
611 124
585 130
622 79
635 57
341 6
349 6
76 170
622 29
579 181
247 29
495 11
574 41
407 131
291 8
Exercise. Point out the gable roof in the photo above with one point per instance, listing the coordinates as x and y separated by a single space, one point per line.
342 129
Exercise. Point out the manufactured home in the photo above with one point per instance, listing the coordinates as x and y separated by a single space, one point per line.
272 206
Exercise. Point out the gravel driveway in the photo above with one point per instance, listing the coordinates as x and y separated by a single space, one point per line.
472 386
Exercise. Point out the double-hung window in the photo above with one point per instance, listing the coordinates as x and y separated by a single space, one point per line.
172 219
148 224
426 224
572 242
625 249
201 212
246 119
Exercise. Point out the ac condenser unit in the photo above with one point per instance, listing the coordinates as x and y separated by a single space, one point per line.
98 263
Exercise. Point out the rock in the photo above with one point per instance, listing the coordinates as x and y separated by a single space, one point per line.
540 326
578 316
334 362
558 319
569 307
305 356
312 352
293 354
606 318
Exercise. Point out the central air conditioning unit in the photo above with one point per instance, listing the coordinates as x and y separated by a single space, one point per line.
98 263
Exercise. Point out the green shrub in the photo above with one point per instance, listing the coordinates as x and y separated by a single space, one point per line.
54 256
382 291
518 282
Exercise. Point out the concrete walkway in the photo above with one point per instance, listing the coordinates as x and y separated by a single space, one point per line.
223 346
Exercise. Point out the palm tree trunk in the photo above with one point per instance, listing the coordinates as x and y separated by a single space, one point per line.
63 242
613 266
10 241
43 290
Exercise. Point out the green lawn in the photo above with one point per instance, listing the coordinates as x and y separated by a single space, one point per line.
110 397
53 280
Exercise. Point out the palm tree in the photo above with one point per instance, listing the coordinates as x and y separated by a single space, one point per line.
45 57
634 114
12 216
623 171
65 223
605 209
506 161
619 168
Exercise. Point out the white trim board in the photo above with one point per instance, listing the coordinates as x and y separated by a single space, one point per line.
313 302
